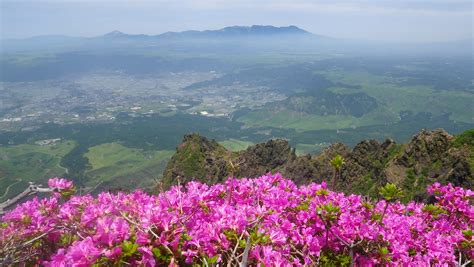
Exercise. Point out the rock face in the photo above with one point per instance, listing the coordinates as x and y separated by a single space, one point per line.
263 158
197 158
433 155
430 156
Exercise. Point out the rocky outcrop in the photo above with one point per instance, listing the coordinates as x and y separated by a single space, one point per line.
197 158
432 154
428 157
262 158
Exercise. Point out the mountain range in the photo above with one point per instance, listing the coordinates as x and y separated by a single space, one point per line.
231 31
248 38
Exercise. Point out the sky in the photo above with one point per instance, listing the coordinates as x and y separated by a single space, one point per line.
381 20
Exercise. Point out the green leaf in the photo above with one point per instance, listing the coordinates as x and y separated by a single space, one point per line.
213 259
391 192
434 209
467 233
156 252
337 162
26 219
322 192
129 248
384 251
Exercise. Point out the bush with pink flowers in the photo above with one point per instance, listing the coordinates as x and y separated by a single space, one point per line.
267 221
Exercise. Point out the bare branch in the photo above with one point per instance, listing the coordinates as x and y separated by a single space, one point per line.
30 190
245 256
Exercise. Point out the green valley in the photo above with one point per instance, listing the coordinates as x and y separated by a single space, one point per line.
25 163
114 165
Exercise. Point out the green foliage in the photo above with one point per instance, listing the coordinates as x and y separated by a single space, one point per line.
391 192
413 185
330 258
329 212
208 261
465 138
434 210
366 185
468 242
304 205
384 254
257 238
161 254
376 216
231 235
129 248
337 162
322 192
67 238
467 233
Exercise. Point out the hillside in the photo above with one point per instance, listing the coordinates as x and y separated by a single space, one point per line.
430 156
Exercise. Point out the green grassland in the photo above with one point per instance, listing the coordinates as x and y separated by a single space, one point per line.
115 165
397 98
235 145
20 164
392 95
466 139
308 122
303 149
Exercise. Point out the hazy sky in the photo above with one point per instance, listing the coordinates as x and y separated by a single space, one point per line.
385 20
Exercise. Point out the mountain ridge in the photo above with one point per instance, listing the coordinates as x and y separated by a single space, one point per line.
229 31
226 32
430 156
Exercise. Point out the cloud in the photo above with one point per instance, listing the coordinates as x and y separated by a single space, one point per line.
428 7
409 7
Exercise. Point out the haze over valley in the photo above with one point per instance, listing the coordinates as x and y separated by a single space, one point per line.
69 103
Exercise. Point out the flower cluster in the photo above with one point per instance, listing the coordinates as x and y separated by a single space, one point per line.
60 183
267 220
61 187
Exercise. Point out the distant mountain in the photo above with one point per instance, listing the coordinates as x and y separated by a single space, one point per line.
115 34
232 31
430 156
241 31
121 35
255 38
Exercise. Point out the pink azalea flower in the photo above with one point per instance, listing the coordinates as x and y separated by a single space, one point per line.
60 183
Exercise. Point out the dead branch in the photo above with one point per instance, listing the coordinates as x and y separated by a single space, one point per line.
30 190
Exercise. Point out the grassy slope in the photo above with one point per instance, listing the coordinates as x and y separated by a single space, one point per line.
398 98
235 145
304 122
303 149
21 164
125 166
391 97
466 139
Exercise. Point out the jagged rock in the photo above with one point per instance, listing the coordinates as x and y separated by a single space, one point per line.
302 170
426 146
197 158
429 156
266 157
